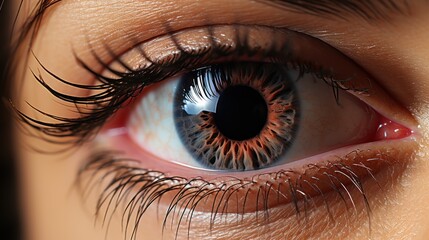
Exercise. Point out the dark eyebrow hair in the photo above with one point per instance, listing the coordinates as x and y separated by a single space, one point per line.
370 10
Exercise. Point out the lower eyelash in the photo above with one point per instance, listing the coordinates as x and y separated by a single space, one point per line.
141 188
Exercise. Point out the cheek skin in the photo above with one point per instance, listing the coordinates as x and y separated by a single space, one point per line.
419 179
54 207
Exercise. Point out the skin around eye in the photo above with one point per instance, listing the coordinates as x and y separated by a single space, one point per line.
390 49
280 189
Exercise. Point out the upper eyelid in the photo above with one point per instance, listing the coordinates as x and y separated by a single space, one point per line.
371 11
379 11
86 124
406 117
41 10
67 129
31 25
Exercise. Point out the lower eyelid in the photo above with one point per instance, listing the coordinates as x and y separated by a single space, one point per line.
344 182
123 143
340 213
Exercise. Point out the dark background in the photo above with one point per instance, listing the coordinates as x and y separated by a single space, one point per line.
9 220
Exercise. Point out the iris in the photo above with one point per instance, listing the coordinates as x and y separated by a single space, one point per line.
236 116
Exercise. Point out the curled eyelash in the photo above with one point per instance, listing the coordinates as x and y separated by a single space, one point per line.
112 93
123 181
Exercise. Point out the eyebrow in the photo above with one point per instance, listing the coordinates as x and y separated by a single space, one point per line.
369 10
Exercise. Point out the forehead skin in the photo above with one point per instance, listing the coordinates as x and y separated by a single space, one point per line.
395 52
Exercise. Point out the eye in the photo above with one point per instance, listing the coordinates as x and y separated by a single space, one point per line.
246 116
251 98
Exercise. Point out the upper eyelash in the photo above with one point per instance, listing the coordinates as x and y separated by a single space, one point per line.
141 188
95 109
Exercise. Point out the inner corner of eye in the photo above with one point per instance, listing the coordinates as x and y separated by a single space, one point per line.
245 116
389 130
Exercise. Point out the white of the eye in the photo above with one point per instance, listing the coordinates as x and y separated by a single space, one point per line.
326 124
151 124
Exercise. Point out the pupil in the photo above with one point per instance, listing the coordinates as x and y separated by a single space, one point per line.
241 113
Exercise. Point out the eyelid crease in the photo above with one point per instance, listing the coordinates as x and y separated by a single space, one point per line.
370 11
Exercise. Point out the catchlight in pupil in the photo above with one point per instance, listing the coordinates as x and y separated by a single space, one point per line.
241 113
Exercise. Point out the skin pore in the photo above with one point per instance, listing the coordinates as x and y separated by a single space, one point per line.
393 50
